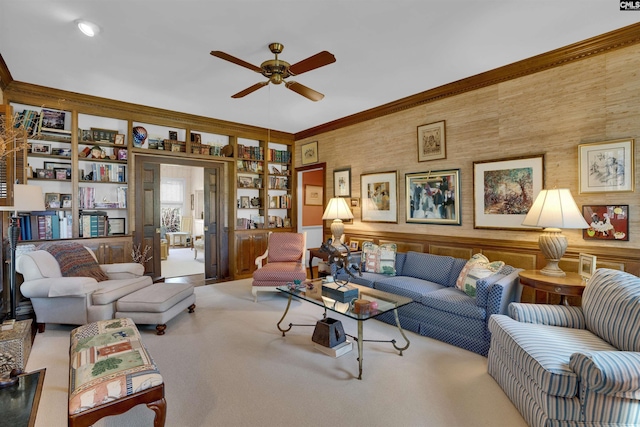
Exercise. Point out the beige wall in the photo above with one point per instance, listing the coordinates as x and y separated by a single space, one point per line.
551 112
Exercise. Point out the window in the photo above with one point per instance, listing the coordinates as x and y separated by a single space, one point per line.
171 203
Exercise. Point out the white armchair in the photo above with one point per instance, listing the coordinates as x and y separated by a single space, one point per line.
75 300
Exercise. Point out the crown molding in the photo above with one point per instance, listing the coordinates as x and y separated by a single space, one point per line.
604 43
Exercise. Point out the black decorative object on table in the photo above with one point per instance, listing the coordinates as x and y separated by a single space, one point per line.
341 259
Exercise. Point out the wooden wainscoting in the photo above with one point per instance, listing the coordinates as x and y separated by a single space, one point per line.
524 255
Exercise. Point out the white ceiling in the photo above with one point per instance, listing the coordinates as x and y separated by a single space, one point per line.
156 52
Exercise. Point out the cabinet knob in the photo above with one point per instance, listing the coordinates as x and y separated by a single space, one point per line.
206 228
157 231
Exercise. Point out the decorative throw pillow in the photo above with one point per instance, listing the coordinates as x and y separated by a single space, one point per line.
478 267
75 260
379 258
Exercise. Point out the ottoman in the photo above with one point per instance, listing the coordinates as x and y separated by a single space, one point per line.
157 304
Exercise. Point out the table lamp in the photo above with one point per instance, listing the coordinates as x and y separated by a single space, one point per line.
337 210
26 198
553 210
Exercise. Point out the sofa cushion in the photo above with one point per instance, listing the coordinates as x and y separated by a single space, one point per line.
452 300
38 264
74 260
279 273
609 302
434 268
478 267
544 351
406 286
379 258
285 247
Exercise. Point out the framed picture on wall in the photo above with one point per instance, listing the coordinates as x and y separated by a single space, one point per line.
310 153
431 142
606 222
342 182
606 167
313 195
433 197
504 190
379 197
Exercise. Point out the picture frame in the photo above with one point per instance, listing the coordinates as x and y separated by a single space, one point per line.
342 182
310 153
433 197
119 139
173 135
245 181
354 202
606 167
40 173
62 152
86 135
49 174
504 190
606 222
587 265
379 194
196 138
65 200
53 121
313 195
56 165
244 202
353 245
121 153
40 148
104 135
61 174
117 226
432 141
52 200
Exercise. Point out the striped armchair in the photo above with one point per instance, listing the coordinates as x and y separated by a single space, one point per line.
573 366
282 262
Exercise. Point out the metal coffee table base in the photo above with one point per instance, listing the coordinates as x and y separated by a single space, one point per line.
359 339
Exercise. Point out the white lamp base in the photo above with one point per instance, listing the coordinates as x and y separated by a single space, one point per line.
553 245
337 230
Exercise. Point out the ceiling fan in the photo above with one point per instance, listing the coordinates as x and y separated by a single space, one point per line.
276 70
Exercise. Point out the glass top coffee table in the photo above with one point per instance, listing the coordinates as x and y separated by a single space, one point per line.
386 302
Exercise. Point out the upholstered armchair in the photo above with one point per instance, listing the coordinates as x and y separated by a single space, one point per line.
573 366
70 287
282 262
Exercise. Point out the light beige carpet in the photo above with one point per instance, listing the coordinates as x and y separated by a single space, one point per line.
181 262
228 365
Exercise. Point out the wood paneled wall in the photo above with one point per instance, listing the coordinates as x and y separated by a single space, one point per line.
551 112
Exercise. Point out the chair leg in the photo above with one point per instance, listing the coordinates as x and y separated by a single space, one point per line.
254 291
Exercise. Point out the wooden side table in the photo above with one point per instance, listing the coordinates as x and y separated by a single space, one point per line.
571 285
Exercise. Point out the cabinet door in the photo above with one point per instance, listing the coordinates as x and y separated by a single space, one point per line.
245 259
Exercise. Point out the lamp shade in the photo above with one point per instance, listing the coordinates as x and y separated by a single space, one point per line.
26 198
337 209
555 209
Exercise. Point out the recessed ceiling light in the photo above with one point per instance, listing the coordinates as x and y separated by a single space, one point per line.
88 28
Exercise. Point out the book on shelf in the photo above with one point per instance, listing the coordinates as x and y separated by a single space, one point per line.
45 225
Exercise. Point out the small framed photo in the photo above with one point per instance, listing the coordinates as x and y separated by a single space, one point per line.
104 135
196 138
355 202
40 148
61 174
65 200
40 173
342 182
49 174
353 245
121 154
433 197
245 181
587 265
244 202
119 140
310 153
431 142
116 226
313 195
52 200
606 222
379 197
86 135
173 135
606 167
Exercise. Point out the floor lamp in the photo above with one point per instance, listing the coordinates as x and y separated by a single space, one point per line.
26 198
553 210
337 210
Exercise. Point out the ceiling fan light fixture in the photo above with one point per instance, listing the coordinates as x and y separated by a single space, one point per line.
88 28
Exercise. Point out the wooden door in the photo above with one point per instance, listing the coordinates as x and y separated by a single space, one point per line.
147 214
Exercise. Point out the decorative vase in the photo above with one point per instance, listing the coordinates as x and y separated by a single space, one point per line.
139 136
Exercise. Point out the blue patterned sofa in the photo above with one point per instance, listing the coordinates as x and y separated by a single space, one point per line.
440 310
573 366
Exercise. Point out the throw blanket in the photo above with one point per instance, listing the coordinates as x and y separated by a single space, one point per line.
74 260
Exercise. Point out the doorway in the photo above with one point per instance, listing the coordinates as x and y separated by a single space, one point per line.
212 206
310 216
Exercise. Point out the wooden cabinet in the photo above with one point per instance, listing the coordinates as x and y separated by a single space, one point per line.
248 246
110 250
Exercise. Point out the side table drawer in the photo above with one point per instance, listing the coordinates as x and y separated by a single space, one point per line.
15 346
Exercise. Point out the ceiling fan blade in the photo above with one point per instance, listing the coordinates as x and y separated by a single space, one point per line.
235 60
304 91
311 63
248 90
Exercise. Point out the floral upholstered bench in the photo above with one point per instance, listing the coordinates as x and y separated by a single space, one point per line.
110 372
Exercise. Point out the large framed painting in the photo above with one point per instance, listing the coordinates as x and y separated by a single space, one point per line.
379 193
606 167
433 197
504 190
